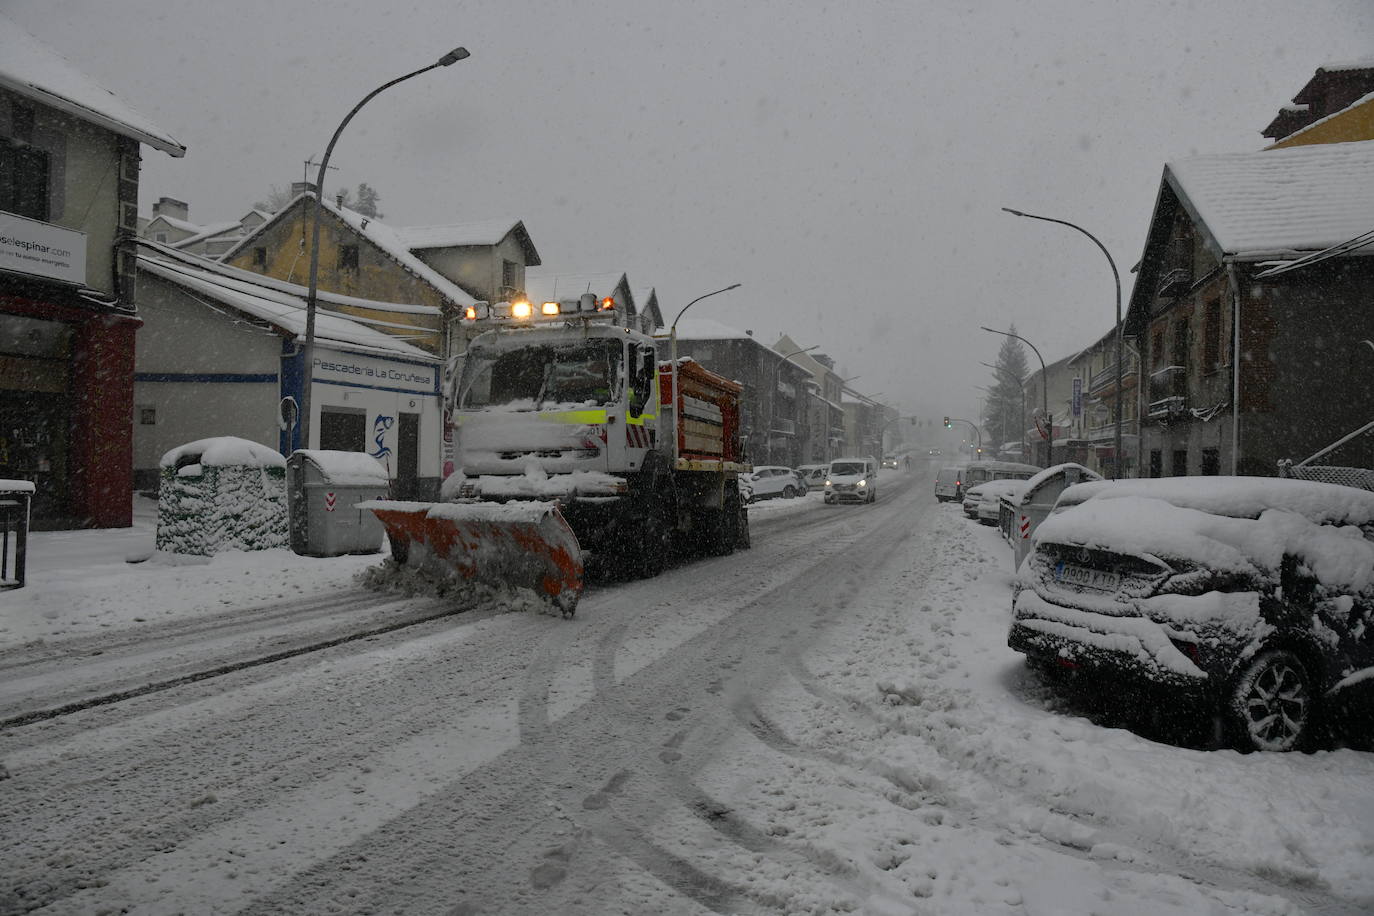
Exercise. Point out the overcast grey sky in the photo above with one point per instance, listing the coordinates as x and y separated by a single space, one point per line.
844 161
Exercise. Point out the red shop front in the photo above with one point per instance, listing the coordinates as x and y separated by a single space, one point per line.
66 406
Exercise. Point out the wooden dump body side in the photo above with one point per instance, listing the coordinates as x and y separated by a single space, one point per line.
706 410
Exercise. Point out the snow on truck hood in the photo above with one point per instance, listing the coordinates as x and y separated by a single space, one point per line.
1119 518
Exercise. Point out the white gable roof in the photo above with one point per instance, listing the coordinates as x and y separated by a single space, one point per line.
481 232
36 71
1282 202
281 304
541 287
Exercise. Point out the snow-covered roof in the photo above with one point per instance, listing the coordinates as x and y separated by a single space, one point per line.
709 329
1278 202
1366 99
208 232
280 304
479 232
1348 65
544 287
378 233
32 69
185 225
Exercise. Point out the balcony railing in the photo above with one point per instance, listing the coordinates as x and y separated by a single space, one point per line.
1174 282
784 427
1107 377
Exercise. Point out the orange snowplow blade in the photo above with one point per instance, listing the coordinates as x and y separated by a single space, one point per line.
526 544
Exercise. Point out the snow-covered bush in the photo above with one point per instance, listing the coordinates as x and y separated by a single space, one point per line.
220 494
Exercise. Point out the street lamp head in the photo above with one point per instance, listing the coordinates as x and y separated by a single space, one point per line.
1014 212
453 57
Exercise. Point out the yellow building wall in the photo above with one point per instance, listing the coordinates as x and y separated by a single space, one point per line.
377 277
1345 126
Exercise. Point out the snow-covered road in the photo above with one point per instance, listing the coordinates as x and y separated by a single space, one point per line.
827 723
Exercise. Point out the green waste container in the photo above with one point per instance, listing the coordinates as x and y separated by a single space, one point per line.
222 493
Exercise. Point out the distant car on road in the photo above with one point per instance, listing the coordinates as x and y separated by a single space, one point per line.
1250 598
770 480
890 461
934 453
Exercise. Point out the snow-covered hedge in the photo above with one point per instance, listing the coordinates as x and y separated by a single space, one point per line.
220 494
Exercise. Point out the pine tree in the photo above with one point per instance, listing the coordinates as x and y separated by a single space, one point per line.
1003 420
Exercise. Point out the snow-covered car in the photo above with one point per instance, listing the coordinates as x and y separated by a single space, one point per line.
1251 597
980 502
813 475
769 481
851 480
973 496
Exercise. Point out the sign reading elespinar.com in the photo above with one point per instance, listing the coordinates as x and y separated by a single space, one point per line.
28 246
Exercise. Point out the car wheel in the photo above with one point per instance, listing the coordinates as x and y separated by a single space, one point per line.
789 492
1272 706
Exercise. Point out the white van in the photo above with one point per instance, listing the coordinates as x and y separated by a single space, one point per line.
852 480
949 484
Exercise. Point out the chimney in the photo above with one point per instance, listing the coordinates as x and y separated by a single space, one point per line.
338 200
301 187
170 206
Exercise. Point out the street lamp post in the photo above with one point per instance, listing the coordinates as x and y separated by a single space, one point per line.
672 348
1044 391
1120 330
308 353
1019 384
773 393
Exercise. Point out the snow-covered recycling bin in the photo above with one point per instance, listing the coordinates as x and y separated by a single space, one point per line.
325 487
1042 492
15 499
218 494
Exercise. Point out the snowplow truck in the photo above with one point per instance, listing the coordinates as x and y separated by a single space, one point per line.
573 445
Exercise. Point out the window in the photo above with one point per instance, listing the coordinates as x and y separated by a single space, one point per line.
1211 335
1181 342
1180 468
348 257
343 429
260 257
24 181
1156 463
510 275
160 237
1211 462
1157 349
147 416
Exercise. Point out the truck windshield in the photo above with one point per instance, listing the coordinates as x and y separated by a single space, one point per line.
537 377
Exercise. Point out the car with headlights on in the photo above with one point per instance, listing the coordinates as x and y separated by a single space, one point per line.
1250 599
851 480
